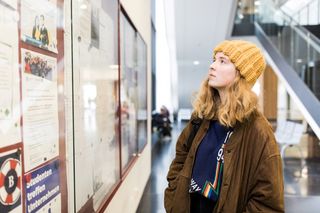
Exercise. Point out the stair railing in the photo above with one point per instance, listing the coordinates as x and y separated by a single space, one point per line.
302 31
307 6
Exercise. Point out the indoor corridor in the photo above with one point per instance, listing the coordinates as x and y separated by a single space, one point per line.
81 82
302 186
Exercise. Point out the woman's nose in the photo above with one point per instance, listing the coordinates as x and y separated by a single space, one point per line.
212 66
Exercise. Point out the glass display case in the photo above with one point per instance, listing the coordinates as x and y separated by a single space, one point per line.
133 91
71 119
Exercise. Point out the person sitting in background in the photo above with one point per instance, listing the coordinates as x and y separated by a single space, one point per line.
161 122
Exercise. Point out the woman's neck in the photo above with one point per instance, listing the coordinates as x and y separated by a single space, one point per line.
222 95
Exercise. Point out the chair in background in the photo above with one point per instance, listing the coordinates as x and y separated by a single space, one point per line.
184 114
288 134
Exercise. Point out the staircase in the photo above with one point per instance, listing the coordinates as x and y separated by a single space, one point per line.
291 39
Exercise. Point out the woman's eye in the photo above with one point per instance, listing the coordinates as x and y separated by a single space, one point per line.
222 61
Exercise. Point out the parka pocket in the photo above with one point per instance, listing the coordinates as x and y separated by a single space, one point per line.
181 201
169 194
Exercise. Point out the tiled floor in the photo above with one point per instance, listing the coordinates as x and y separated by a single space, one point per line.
302 185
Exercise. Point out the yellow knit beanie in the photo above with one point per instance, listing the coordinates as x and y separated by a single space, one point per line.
246 57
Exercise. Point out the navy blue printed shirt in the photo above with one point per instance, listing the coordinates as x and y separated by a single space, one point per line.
208 166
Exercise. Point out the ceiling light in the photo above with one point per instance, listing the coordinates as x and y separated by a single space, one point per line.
195 62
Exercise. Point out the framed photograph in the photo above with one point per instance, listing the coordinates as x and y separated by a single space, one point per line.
39 23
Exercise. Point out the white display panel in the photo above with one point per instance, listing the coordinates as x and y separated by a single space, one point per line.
142 93
96 100
128 92
10 128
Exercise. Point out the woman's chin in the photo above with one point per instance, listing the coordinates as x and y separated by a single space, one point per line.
212 84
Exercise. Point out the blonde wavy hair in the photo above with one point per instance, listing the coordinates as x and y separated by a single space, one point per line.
239 104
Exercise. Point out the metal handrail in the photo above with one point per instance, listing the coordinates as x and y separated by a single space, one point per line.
297 89
302 8
303 32
287 16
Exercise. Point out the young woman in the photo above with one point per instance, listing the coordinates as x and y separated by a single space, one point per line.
233 164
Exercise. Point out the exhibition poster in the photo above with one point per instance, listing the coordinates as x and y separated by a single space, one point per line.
42 189
10 181
6 81
40 108
10 127
31 178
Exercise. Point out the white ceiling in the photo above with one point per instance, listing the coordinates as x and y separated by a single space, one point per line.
199 26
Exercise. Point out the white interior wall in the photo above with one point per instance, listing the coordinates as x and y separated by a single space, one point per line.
171 31
166 60
187 31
